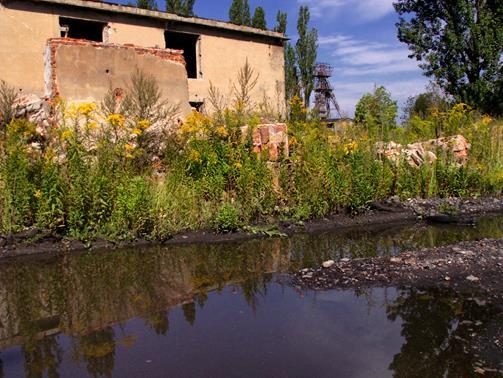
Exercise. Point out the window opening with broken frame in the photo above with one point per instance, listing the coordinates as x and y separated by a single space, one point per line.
189 44
81 29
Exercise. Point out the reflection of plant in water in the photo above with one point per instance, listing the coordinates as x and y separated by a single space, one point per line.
42 357
434 327
83 293
98 351
254 287
189 312
159 322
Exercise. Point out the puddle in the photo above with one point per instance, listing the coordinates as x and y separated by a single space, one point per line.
228 310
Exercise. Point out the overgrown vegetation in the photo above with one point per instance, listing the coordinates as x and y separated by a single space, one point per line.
460 45
120 170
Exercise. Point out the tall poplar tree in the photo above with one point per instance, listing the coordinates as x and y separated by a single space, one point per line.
147 4
306 53
291 73
236 12
181 7
281 19
258 20
246 18
239 13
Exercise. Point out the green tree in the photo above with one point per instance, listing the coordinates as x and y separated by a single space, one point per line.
306 53
173 6
377 112
246 17
188 9
259 21
239 13
424 104
460 44
236 12
181 7
282 20
147 4
291 73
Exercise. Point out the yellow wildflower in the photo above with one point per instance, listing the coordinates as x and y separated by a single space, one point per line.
92 125
72 112
195 156
486 120
129 147
350 148
66 134
49 154
195 123
86 108
238 165
144 124
222 131
116 120
38 194
137 131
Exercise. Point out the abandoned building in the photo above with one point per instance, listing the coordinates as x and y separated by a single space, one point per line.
78 49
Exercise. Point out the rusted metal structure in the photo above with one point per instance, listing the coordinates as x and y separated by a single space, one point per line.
324 93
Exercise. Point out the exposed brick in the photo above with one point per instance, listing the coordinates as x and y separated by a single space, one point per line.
272 138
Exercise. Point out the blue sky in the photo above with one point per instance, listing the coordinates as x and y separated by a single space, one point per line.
358 37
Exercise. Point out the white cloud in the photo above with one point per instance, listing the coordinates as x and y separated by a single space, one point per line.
354 57
363 10
359 65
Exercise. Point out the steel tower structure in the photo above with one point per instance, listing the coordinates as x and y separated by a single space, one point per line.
324 93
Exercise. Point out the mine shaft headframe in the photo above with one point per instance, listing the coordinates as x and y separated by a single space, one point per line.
323 70
324 93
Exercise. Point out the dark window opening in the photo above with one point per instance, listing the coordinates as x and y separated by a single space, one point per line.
197 105
187 43
81 29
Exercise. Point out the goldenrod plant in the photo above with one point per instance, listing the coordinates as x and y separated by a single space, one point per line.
91 174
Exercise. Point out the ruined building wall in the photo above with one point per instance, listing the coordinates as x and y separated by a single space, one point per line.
23 37
222 58
25 28
72 77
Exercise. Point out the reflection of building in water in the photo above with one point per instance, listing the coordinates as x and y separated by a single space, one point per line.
81 295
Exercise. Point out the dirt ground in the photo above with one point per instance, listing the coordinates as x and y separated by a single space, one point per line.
466 267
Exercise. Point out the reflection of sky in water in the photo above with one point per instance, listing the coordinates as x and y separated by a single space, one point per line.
106 312
319 334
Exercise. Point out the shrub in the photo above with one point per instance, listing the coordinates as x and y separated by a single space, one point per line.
227 218
8 97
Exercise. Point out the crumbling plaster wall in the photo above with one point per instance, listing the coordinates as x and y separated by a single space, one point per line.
221 59
84 71
26 27
23 36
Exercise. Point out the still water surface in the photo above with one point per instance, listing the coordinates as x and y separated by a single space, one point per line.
225 310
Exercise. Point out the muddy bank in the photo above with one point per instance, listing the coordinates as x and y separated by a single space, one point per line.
392 211
475 267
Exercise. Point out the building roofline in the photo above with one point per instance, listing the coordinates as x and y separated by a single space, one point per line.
138 12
